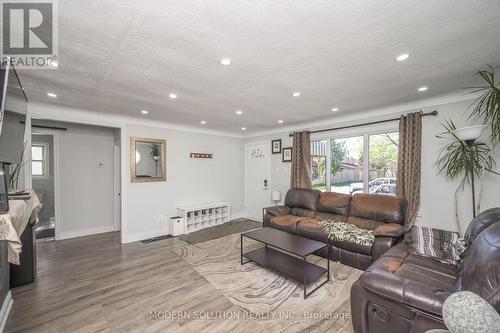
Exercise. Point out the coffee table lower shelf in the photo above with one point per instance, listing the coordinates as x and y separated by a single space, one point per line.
295 268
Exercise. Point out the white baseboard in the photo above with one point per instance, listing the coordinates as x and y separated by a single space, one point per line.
143 235
86 232
4 312
237 216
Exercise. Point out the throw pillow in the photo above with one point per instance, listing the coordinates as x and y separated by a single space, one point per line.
341 231
444 246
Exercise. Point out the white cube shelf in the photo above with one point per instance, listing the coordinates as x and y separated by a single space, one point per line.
201 216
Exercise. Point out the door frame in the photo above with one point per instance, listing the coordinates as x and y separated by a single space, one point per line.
269 167
57 184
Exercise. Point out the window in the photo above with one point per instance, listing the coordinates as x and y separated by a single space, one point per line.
383 158
347 165
358 164
39 162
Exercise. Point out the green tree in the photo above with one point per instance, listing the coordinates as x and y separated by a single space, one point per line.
338 155
384 153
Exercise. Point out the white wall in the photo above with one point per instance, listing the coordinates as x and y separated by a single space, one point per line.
437 194
189 181
85 191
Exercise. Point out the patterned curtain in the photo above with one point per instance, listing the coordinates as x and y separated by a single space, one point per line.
301 161
409 156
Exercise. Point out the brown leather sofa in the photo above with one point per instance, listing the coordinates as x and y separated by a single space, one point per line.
403 293
303 208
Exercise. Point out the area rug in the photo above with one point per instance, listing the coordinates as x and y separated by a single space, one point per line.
272 301
218 231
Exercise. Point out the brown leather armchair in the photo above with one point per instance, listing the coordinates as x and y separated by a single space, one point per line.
402 292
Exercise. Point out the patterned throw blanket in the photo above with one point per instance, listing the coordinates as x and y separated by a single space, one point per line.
441 245
341 231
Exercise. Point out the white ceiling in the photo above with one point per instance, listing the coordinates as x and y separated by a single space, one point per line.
123 56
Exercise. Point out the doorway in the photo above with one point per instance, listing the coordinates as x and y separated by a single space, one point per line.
43 171
257 179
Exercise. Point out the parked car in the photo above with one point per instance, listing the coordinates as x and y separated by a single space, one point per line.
357 187
387 189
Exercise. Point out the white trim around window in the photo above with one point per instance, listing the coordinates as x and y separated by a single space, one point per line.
44 161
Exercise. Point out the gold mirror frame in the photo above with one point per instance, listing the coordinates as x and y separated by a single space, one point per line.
133 176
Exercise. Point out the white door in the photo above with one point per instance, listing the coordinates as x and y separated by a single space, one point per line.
257 179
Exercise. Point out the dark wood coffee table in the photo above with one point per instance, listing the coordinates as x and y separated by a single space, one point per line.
286 254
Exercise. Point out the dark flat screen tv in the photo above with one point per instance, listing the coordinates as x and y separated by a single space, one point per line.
13 109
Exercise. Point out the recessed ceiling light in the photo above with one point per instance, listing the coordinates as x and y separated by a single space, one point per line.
203 122
51 95
144 111
296 94
402 57
172 96
422 89
280 121
335 109
238 112
243 128
226 61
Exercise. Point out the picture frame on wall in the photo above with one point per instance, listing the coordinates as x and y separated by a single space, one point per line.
276 146
287 154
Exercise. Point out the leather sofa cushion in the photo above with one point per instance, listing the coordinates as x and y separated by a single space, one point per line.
334 203
481 222
416 281
380 208
302 212
278 210
481 271
302 198
286 223
310 228
327 216
389 230
364 223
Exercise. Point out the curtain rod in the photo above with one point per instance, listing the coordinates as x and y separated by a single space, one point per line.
432 113
46 127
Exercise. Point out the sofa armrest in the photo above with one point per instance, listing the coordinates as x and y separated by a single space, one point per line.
381 245
389 230
412 293
278 210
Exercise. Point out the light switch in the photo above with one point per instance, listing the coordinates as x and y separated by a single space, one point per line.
100 164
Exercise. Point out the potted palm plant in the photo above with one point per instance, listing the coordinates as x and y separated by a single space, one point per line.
465 159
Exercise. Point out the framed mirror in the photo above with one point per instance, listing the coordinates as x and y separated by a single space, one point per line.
148 160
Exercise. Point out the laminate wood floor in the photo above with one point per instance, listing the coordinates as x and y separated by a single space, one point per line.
95 284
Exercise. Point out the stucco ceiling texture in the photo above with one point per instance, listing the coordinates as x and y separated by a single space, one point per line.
125 56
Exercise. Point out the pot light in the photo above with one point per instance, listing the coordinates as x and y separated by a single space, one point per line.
226 61
296 94
144 111
402 57
239 112
203 122
243 128
280 121
172 96
335 109
422 89
51 95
